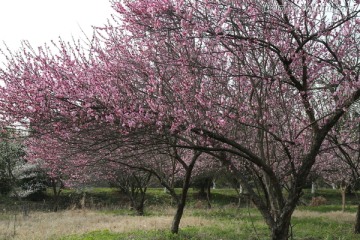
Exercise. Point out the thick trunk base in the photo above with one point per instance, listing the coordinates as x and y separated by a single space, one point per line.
280 234
281 230
176 221
357 221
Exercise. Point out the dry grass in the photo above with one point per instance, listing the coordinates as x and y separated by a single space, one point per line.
54 225
318 201
336 216
40 225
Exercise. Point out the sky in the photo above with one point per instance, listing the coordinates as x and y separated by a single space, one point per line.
40 21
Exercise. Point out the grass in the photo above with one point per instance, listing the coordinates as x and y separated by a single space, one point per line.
231 224
226 223
333 196
329 208
39 225
108 217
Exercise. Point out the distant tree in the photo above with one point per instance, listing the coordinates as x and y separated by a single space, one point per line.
133 183
11 159
340 162
18 176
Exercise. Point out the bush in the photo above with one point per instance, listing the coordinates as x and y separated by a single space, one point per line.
5 186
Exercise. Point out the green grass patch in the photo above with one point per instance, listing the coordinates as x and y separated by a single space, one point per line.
104 235
332 196
214 232
234 224
328 208
227 221
321 228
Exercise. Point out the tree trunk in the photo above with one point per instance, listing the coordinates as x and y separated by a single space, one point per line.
280 229
313 188
56 204
181 204
208 194
202 192
281 232
56 192
343 187
56 200
137 203
357 221
179 212
141 203
343 199
140 208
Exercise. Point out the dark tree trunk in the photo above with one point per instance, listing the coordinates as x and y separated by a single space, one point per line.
56 204
182 201
208 192
141 203
135 186
56 191
357 221
281 232
181 205
178 215
202 191
140 208
137 202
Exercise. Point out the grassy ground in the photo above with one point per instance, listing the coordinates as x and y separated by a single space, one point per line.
107 217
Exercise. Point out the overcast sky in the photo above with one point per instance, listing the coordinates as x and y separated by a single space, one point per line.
41 21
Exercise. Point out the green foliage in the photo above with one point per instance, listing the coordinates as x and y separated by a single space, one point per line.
11 157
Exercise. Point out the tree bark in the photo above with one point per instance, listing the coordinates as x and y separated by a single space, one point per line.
281 231
56 198
181 204
357 221
56 191
140 208
208 194
343 187
177 218
343 199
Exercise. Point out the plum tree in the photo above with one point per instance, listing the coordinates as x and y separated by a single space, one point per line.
232 79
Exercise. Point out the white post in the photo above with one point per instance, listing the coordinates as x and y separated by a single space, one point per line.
313 188
214 184
333 186
240 189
